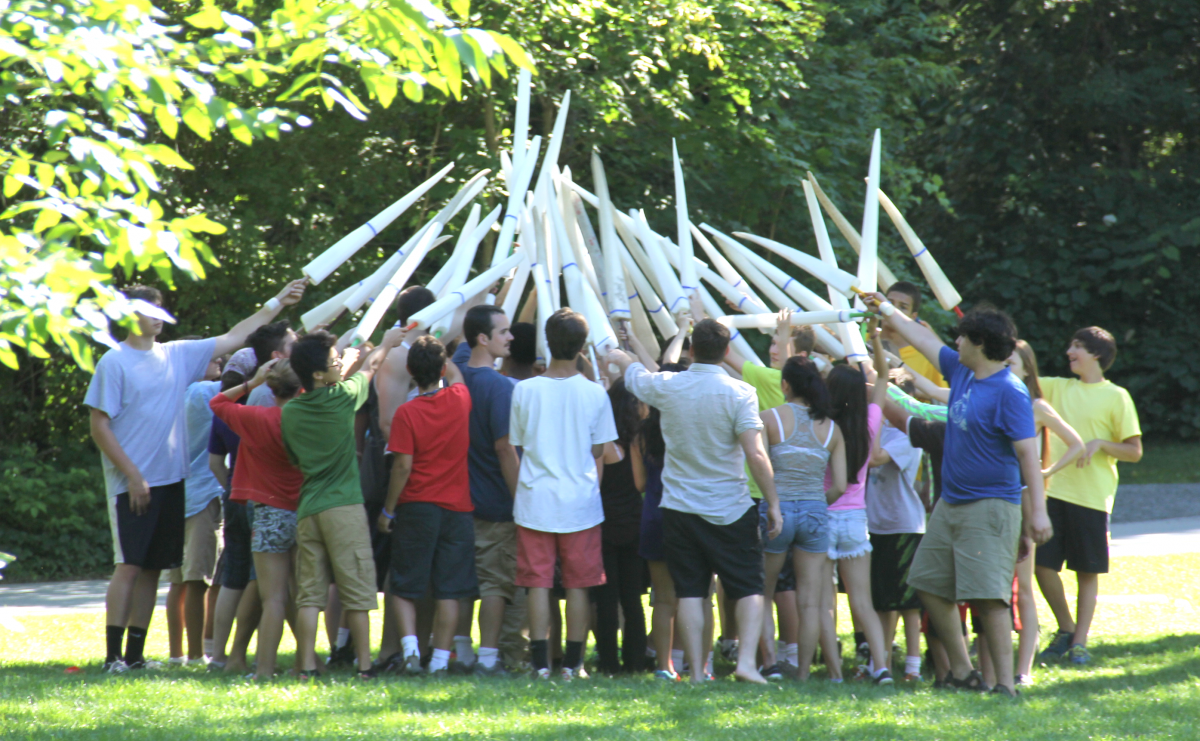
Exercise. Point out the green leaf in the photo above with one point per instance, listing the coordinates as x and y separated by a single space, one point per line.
198 121
167 156
200 223
47 218
168 123
514 50
210 17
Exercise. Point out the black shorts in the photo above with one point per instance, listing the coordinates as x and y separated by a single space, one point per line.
891 557
152 540
695 549
786 581
433 550
237 569
1080 538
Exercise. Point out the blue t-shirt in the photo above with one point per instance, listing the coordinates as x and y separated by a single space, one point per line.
985 418
491 403
223 441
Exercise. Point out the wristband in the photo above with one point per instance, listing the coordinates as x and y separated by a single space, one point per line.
405 345
273 304
384 512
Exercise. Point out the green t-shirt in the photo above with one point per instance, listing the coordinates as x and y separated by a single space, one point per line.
770 395
318 433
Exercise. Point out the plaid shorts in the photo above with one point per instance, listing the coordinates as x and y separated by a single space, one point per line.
273 529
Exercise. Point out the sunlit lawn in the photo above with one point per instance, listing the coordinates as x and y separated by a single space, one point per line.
1145 682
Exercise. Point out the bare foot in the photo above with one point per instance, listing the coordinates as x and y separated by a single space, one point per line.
750 675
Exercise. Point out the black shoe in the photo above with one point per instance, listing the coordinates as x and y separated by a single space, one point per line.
393 664
1006 692
883 678
366 675
973 682
342 658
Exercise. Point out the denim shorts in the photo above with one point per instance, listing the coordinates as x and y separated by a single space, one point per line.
848 537
805 526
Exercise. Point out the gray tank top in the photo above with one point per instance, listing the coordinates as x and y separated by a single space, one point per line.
800 460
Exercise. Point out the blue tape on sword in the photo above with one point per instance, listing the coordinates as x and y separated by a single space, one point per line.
372 228
922 252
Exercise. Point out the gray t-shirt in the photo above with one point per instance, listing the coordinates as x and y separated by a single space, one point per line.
201 486
142 392
893 505
262 396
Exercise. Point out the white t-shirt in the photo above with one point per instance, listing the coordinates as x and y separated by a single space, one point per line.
893 505
201 486
142 393
557 421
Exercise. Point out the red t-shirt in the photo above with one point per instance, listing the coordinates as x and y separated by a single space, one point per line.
263 473
434 431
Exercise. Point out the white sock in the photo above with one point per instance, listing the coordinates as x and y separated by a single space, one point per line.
708 664
488 657
465 650
440 660
343 637
410 647
209 643
677 659
791 654
912 664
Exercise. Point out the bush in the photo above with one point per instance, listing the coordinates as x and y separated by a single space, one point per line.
53 514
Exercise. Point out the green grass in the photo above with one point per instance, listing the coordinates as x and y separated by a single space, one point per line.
1164 463
1145 682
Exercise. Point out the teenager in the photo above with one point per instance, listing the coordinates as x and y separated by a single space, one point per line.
188 596
860 419
522 355
803 442
710 522
135 401
624 569
492 466
561 420
906 297
970 546
646 456
268 481
429 504
332 537
1080 498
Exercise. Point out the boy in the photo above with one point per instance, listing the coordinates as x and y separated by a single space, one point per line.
1080 497
562 420
333 540
434 546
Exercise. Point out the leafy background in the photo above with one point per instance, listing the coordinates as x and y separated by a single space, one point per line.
1045 152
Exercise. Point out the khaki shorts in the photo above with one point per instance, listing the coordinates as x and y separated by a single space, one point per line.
334 546
969 551
496 558
201 545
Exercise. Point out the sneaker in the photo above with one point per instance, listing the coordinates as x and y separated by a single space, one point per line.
912 677
772 673
146 665
1023 680
790 670
861 673
973 682
393 664
175 661
497 670
1079 655
863 651
365 675
1003 691
116 666
883 678
566 674
215 666
1058 648
342 658
666 675
459 668
541 674
728 647
412 665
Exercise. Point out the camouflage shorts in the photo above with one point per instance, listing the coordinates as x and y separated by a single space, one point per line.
273 530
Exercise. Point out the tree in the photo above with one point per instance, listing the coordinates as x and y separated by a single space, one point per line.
92 87
1070 159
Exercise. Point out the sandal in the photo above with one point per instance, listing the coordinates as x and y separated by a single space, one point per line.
974 682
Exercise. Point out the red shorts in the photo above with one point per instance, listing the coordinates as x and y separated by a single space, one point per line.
579 554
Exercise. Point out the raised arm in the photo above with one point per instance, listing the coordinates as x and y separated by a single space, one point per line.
643 355
931 389
906 406
675 346
236 337
879 391
914 333
1045 416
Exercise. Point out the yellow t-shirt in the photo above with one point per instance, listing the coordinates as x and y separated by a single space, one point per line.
913 358
770 395
1097 411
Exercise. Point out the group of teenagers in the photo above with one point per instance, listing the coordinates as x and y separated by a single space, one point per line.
277 476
